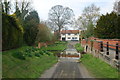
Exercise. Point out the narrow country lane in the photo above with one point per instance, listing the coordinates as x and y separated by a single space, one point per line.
67 67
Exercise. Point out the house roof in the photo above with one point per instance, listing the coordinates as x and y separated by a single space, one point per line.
69 31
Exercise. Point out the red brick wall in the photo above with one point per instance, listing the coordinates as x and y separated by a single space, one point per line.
110 41
83 42
96 45
41 44
89 42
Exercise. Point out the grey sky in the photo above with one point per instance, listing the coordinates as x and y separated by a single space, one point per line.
43 6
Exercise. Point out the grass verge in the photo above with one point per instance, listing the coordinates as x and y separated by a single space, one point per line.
98 68
31 67
58 46
79 48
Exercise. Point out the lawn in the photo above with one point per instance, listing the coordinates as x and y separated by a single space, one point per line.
30 62
79 48
99 68
26 62
58 46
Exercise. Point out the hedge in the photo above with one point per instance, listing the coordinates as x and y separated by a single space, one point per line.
12 32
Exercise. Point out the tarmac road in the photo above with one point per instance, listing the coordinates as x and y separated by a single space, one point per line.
67 67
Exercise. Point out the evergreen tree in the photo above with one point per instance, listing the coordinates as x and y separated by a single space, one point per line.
31 27
108 26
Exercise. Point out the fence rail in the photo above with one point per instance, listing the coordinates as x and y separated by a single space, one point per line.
109 52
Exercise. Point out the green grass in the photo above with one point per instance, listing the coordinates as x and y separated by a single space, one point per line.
60 42
98 68
58 46
30 67
30 62
79 47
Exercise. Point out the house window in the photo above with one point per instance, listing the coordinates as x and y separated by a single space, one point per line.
68 37
76 34
72 37
75 37
68 33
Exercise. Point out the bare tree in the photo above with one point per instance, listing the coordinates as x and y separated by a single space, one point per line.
6 6
116 7
88 19
80 23
22 8
60 16
52 25
91 13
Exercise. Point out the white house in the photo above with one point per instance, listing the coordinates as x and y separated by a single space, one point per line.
70 35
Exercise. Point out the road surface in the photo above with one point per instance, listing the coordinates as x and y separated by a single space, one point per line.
67 68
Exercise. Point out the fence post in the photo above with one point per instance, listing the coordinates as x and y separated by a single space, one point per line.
107 48
101 46
91 45
117 55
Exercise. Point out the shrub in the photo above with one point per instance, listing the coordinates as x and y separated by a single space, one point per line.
48 53
41 52
30 55
37 54
19 55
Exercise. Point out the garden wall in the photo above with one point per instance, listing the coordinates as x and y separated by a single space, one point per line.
105 49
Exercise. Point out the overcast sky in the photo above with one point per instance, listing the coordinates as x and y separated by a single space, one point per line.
43 6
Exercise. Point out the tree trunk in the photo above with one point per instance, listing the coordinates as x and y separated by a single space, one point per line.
59 33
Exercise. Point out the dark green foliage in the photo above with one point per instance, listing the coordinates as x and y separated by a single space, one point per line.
108 26
41 52
30 52
19 55
12 32
31 27
48 53
30 55
37 54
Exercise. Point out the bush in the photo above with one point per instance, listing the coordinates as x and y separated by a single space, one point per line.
47 52
30 55
19 55
41 52
32 49
108 26
37 54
